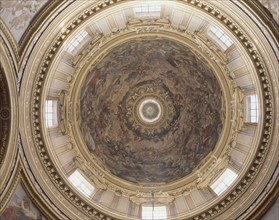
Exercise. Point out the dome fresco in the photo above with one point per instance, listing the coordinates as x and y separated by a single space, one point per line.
151 110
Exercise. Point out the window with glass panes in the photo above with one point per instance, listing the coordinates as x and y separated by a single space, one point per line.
221 35
224 181
76 40
154 212
51 113
81 183
252 108
148 9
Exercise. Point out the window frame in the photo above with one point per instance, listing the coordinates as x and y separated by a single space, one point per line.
148 9
156 209
51 113
220 37
77 40
224 181
81 183
252 108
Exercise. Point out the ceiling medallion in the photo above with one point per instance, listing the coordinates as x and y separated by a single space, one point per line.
149 109
4 113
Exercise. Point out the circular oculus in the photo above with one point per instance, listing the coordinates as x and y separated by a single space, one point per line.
149 110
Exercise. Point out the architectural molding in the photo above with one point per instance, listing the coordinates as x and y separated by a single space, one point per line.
36 22
264 142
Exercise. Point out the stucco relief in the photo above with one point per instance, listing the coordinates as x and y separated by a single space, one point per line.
172 151
18 14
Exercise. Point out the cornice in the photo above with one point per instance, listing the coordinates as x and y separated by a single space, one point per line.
37 21
265 200
20 176
10 43
268 112
266 17
269 27
36 195
11 187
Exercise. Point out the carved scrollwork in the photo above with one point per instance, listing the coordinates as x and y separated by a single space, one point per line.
152 197
209 48
237 109
64 112
93 46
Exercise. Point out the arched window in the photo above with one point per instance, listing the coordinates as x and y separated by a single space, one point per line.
252 109
51 113
78 180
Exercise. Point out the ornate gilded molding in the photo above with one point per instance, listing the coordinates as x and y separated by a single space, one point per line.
8 116
64 113
5 114
267 108
37 21
15 179
36 193
157 197
20 176
266 199
10 43
260 12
